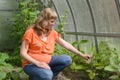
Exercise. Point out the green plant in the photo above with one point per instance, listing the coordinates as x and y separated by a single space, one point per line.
103 65
4 67
62 23
114 65
9 72
25 16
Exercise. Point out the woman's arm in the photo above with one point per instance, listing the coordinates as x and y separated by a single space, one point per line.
23 53
71 48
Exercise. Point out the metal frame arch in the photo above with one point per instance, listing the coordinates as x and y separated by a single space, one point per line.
56 10
93 21
118 7
73 21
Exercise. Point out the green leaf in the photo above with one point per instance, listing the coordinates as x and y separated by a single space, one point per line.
83 41
91 74
73 66
115 77
15 75
79 67
2 75
110 68
3 56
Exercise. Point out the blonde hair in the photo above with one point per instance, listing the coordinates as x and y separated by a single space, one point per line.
45 15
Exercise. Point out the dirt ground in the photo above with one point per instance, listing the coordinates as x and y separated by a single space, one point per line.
68 75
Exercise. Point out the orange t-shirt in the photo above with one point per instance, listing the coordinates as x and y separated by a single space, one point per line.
39 49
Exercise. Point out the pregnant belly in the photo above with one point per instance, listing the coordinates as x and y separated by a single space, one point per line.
41 57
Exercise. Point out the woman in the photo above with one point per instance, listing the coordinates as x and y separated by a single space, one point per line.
38 45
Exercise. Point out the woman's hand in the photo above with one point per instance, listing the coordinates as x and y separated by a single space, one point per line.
42 65
86 56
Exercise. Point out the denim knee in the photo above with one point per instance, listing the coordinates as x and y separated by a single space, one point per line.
37 73
67 60
46 75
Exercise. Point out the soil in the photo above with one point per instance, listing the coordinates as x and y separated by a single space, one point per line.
69 75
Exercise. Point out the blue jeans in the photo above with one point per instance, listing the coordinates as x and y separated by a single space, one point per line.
57 64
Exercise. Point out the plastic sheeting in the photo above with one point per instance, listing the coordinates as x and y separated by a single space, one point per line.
94 20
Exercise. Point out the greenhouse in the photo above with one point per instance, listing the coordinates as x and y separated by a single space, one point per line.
91 26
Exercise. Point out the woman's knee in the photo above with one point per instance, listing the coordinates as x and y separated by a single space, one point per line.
46 75
36 73
67 60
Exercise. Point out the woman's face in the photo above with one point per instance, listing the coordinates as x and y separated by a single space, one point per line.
51 23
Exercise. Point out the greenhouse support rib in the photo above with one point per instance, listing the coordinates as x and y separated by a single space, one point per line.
93 21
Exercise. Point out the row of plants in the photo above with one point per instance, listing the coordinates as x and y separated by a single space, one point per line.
104 65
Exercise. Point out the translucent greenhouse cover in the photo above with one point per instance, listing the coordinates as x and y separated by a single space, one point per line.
94 20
